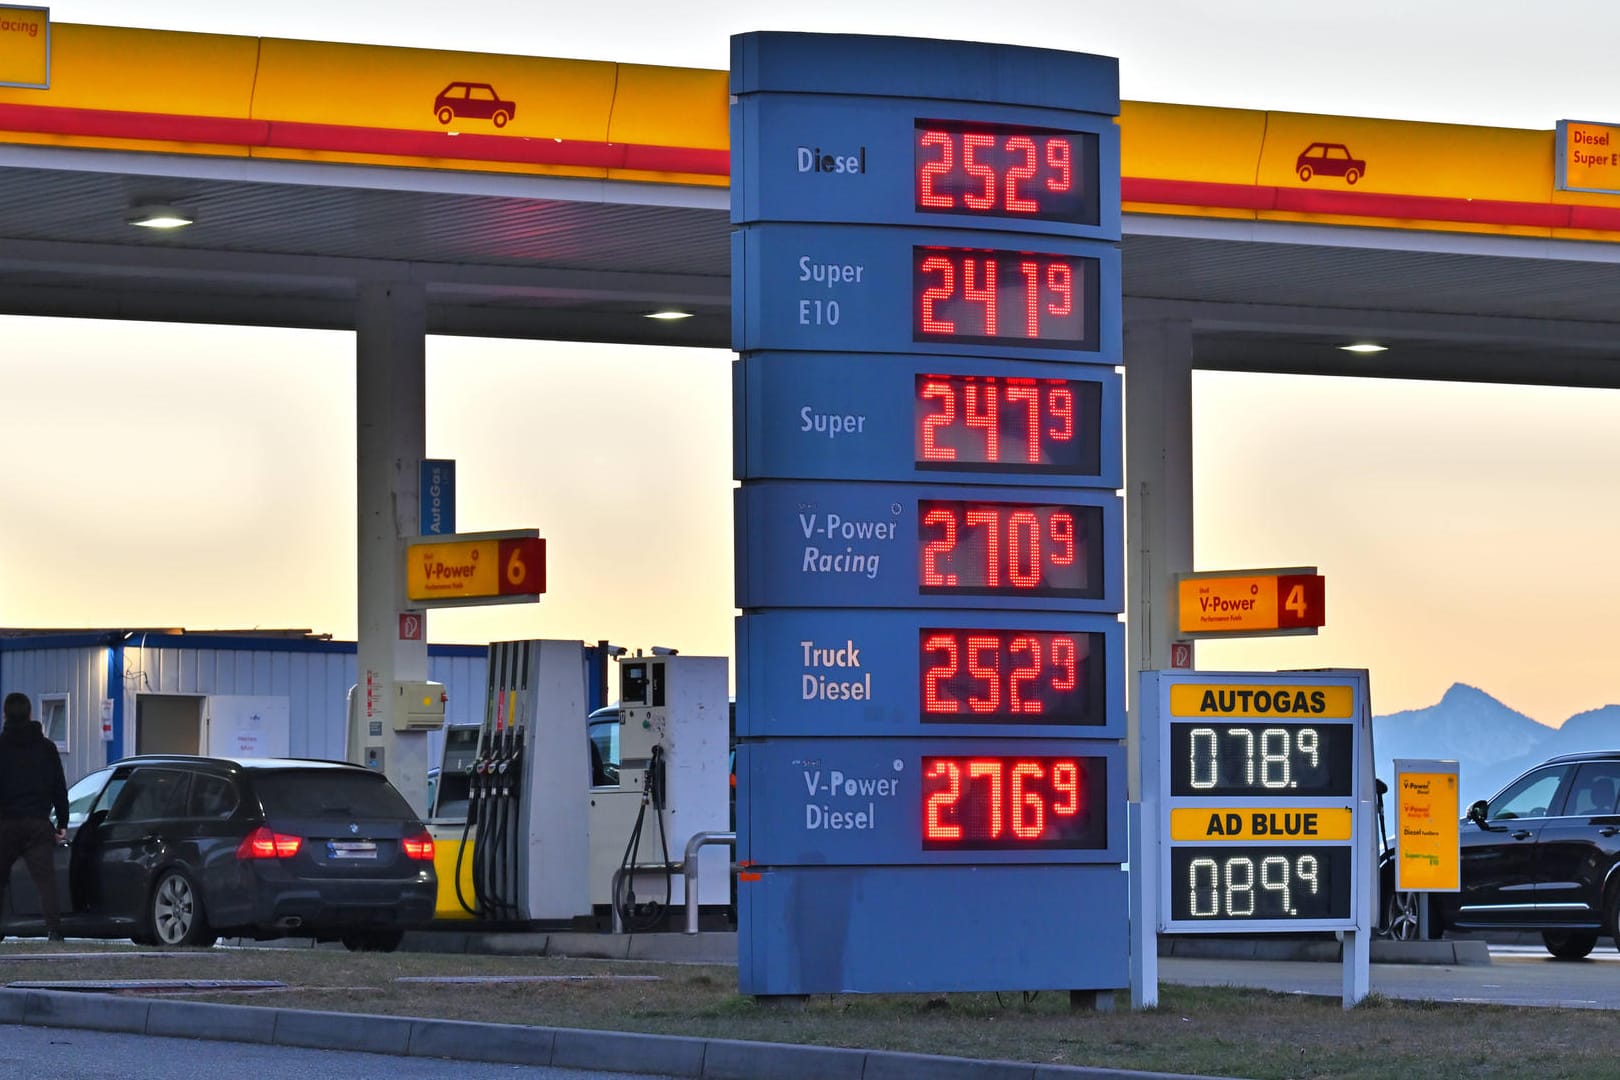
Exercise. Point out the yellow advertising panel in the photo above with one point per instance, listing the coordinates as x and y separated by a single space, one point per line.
1248 823
1234 603
1427 853
1349 154
25 46
1188 142
439 571
371 86
1263 700
1588 156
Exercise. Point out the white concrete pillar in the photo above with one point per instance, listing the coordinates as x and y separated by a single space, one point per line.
391 440
1158 501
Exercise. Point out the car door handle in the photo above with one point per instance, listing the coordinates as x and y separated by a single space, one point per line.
1521 834
1608 830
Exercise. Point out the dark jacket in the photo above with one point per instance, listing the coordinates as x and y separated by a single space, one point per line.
31 780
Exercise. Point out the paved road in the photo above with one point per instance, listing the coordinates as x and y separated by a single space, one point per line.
1516 975
32 1053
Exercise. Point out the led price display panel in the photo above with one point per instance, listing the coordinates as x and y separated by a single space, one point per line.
1010 549
1257 757
1262 883
998 674
985 297
1006 171
996 424
996 802
1018 676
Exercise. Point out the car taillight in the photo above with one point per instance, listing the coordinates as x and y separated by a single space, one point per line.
261 843
419 846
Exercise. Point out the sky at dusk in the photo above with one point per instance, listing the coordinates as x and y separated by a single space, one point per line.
203 476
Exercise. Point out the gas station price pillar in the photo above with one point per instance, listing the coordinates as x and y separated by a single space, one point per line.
929 537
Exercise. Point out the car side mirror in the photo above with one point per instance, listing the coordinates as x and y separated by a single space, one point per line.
1476 813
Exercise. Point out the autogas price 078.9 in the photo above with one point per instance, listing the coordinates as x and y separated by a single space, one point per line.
1259 758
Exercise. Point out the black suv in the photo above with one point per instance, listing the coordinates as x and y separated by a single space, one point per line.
178 850
1542 855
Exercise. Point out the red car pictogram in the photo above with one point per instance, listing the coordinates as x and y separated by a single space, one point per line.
1329 159
477 101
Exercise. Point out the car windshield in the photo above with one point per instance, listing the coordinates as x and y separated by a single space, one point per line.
83 793
344 793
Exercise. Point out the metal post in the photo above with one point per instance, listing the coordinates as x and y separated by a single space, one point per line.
689 870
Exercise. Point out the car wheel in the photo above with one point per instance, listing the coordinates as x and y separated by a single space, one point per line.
1611 917
1401 916
1568 944
1352 176
1305 173
446 114
500 118
174 914
373 941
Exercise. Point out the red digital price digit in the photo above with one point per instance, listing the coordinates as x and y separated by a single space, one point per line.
999 170
1013 543
963 294
1006 802
960 419
994 674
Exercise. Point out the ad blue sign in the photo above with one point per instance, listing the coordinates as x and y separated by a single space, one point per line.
897 802
815 158
437 481
856 288
829 417
936 673
937 546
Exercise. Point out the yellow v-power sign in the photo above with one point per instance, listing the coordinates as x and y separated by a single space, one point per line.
25 47
1426 841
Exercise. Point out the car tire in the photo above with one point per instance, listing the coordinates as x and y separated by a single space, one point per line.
174 913
373 940
1401 916
1611 916
1305 173
500 118
1352 176
445 114
1568 944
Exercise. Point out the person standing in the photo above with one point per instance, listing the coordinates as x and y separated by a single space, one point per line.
32 786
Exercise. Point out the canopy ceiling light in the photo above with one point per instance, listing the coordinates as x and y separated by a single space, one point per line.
669 316
159 217
1364 347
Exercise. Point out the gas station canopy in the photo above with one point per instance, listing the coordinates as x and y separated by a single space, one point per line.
567 200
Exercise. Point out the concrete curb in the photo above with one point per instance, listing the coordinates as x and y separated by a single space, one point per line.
1451 953
671 1055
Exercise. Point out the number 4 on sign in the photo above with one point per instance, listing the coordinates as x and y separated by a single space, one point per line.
1303 600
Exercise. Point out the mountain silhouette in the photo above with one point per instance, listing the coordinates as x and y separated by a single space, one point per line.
1490 742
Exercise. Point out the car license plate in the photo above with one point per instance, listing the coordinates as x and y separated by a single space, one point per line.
351 849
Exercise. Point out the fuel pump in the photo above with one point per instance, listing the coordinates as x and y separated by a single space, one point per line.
527 782
672 781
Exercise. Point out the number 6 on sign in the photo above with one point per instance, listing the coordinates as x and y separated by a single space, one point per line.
523 562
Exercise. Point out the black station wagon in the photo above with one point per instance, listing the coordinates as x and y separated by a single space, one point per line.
1542 854
177 850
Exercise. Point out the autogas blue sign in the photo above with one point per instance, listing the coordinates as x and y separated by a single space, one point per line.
929 532
438 497
1025 675
914 545
1039 423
